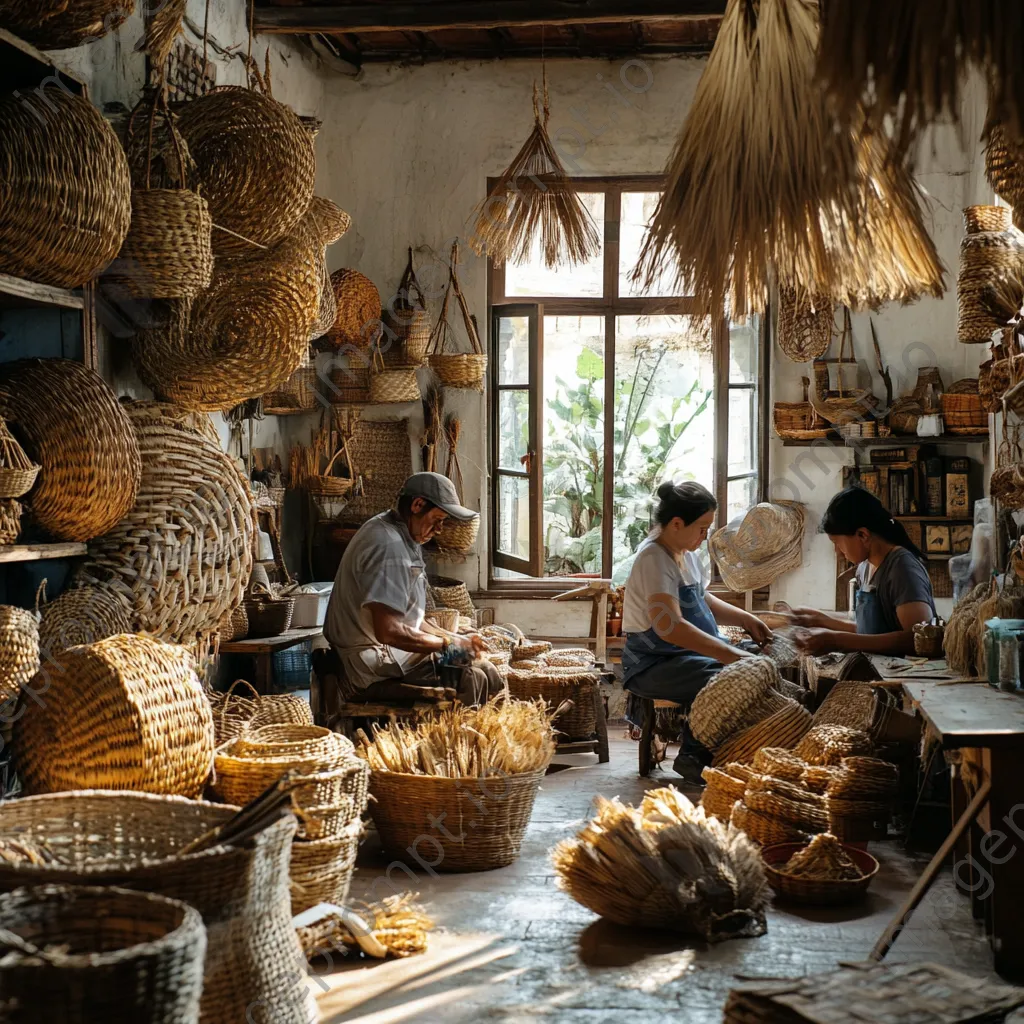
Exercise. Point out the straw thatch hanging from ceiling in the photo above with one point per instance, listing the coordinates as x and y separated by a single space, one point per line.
762 180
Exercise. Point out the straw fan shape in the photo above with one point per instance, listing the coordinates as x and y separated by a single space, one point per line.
60 24
73 427
184 553
534 202
755 552
760 179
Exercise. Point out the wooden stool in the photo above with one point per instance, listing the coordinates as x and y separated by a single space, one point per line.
647 732
599 744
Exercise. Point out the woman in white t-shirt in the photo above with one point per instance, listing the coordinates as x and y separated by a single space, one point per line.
673 647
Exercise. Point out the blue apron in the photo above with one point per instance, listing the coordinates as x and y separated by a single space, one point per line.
870 618
645 649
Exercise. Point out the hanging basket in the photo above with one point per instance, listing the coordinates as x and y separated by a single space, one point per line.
990 283
299 391
457 537
322 225
392 386
406 323
349 385
805 326
67 192
358 321
846 405
17 471
10 520
457 370
60 24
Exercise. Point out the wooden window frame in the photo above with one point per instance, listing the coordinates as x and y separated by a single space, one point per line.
610 305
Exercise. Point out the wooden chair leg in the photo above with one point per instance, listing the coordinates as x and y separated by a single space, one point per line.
647 739
603 754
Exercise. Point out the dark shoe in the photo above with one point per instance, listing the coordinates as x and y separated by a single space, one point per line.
689 767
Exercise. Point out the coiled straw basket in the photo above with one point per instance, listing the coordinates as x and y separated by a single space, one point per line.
58 24
358 321
990 283
78 954
456 370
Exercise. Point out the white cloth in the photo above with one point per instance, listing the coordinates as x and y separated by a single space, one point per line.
381 565
655 571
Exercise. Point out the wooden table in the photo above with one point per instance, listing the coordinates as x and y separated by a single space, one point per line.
264 648
987 841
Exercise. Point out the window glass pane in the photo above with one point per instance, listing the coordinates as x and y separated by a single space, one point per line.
573 429
636 213
742 497
742 436
664 420
585 280
744 346
513 428
514 516
513 345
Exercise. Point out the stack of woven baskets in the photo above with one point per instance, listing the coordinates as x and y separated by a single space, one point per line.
330 794
990 285
234 713
564 678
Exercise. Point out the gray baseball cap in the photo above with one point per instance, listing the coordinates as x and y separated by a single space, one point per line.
440 491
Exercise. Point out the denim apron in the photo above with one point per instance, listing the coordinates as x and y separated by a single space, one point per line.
869 613
645 649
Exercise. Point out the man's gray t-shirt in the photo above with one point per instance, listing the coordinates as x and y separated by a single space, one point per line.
381 565
900 579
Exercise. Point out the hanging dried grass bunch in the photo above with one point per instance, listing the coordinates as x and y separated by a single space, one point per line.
533 199
760 178
664 864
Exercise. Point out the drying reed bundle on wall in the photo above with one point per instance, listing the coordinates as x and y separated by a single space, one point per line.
534 202
760 178
665 865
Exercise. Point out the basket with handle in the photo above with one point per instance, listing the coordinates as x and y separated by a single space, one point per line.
406 323
268 615
17 471
456 369
844 405
392 385
805 325
455 535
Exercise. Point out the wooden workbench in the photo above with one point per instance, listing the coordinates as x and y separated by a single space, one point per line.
264 648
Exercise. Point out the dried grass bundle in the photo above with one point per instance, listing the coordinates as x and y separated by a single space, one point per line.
665 865
907 59
961 640
532 199
398 925
161 31
760 178
510 736
433 420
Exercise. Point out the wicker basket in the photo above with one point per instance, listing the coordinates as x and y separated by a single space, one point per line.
268 615
130 840
83 440
741 695
444 618
125 713
185 551
779 763
784 729
457 370
80 954
349 781
557 685
235 713
299 391
820 892
406 323
19 650
904 414
321 869
986 218
358 321
10 520
405 808
990 283
59 25
964 414
803 816
82 615
17 471
1004 159
827 744
349 385
805 325
763 830
67 191
797 421
458 537
329 821
394 385
448 592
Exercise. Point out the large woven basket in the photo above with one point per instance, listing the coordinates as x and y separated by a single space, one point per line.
81 437
358 321
59 25
383 455
321 869
557 685
990 283
765 830
253 962
448 592
185 551
19 650
1004 167
255 164
348 782
821 892
405 806
66 188
125 713
82 615
805 325
85 954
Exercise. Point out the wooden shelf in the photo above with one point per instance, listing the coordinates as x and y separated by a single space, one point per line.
935 519
24 67
16 293
882 442
38 552
291 412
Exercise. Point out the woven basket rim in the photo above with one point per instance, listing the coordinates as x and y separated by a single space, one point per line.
788 849
376 773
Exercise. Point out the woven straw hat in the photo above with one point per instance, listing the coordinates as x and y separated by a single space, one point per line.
755 552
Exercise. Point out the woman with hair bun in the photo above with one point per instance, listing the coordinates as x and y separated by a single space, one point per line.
894 592
673 647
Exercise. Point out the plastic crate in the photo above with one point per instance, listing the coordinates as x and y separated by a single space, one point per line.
293 668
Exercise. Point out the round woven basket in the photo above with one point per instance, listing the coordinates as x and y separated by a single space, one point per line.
83 440
167 252
235 713
321 869
10 520
185 551
255 164
779 763
405 807
460 370
125 713
19 650
66 188
82 615
826 745
805 325
448 592
59 25
266 614
767 543
557 685
102 953
741 695
131 840
990 284
822 892
359 309
406 323
458 537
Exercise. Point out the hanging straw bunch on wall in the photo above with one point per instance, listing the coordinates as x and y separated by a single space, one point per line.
533 201
665 865
760 178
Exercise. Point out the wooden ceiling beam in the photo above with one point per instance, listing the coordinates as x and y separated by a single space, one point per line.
365 18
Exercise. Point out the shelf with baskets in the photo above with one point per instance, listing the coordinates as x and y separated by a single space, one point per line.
17 293
898 441
39 552
23 66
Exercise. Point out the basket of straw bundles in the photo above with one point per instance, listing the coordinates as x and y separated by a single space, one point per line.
406 323
823 873
78 953
135 841
660 865
456 369
470 764
568 692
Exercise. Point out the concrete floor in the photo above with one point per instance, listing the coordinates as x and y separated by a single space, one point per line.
511 947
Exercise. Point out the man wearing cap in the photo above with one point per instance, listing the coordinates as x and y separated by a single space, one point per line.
375 616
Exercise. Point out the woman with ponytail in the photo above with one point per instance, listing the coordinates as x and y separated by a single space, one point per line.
894 592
